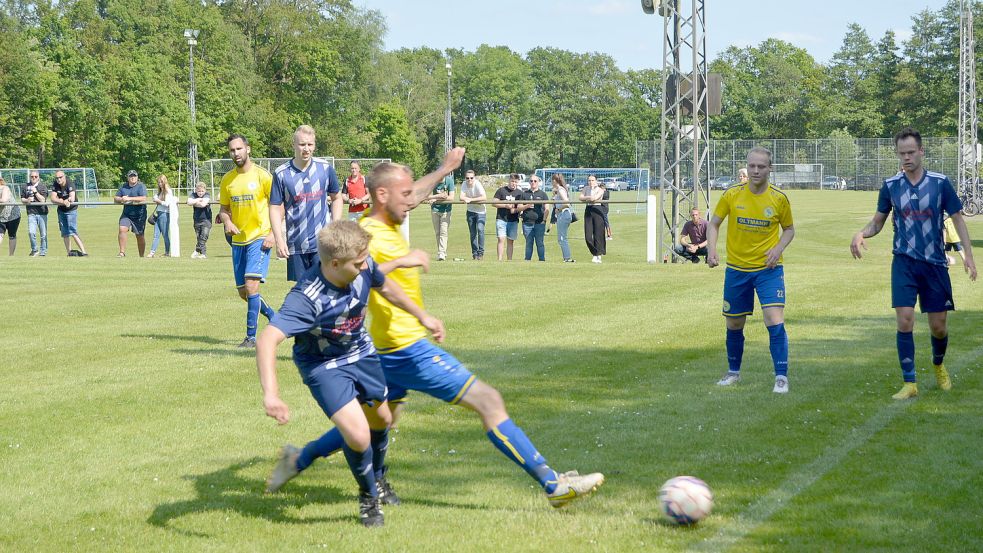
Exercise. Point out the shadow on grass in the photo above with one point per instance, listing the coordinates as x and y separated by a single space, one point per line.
227 490
187 338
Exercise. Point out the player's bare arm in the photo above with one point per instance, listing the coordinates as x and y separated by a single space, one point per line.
774 254
277 213
424 186
416 258
396 296
337 202
713 231
266 345
225 214
870 230
969 264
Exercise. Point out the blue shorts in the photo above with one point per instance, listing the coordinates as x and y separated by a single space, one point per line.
509 229
251 260
136 224
911 278
299 263
68 223
425 368
336 387
739 288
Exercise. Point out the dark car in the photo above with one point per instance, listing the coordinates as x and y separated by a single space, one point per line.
723 183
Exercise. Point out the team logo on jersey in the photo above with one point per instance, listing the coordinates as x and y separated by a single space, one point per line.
253 185
769 212
436 359
726 305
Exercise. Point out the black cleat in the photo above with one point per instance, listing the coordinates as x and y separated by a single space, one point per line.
369 512
248 342
387 495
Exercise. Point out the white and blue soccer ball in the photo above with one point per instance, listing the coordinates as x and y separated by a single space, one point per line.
686 499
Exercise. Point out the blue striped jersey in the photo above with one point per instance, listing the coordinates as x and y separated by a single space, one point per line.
326 321
918 214
305 198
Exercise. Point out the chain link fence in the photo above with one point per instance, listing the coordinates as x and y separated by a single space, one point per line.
863 163
82 178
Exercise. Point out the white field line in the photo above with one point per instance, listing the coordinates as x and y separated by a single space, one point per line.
774 501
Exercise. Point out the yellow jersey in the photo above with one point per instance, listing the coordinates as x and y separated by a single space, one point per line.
754 224
390 327
247 195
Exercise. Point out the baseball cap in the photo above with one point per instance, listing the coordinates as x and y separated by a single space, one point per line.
131 173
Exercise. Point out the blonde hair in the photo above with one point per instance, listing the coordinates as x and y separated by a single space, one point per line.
163 188
304 129
342 240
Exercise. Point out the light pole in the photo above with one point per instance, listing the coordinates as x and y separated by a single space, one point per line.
192 36
448 136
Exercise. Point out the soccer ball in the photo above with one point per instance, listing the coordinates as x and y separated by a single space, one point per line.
685 499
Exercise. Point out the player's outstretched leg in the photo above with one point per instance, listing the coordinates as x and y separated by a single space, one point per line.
561 489
284 470
265 309
379 422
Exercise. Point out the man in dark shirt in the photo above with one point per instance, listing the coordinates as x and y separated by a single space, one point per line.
132 195
37 215
507 216
534 218
63 194
201 203
693 238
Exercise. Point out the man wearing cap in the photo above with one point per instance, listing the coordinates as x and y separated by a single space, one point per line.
132 196
35 192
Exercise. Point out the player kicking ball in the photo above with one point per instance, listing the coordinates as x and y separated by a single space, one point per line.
411 362
325 312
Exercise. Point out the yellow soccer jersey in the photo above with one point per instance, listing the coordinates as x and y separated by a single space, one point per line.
754 224
390 327
247 195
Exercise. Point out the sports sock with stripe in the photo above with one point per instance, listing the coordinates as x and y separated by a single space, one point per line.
906 355
512 441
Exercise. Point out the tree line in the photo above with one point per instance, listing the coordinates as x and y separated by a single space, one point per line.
104 84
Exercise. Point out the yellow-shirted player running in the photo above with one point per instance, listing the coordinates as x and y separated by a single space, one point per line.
244 197
759 228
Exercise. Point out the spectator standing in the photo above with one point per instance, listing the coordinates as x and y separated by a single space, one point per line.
507 216
354 192
693 238
472 191
440 213
201 203
63 194
564 215
165 200
605 209
36 192
132 195
9 216
534 219
742 175
594 219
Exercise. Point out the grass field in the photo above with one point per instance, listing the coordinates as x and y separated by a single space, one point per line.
129 422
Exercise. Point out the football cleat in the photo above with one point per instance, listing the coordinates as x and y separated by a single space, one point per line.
369 512
781 385
908 391
248 342
387 495
571 486
285 469
942 377
729 378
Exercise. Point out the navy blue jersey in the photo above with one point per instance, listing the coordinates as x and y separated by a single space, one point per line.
327 321
304 195
919 211
130 211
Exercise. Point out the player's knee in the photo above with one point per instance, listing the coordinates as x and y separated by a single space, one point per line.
359 440
485 399
243 293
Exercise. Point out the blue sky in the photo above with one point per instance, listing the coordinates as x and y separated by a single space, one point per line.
620 29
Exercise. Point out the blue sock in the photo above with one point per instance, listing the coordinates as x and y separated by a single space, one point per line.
252 315
906 355
361 464
778 343
327 444
939 346
265 309
735 349
380 444
510 440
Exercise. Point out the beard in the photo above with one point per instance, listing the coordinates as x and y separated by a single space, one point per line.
240 161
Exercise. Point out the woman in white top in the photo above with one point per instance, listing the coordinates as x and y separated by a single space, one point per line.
594 219
164 198
472 191
564 215
9 216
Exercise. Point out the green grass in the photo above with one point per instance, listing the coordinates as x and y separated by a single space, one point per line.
128 422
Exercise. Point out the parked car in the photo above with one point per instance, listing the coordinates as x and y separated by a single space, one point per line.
832 182
723 183
614 184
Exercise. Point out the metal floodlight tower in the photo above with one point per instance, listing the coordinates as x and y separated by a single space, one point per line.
448 135
684 165
192 172
968 173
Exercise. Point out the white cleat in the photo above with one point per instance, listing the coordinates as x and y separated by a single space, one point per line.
729 379
781 385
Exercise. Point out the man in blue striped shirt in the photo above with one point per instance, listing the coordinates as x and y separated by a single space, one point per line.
306 192
919 200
